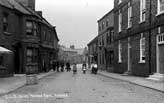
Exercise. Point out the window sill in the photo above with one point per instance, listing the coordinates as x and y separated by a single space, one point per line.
141 22
129 27
160 13
7 33
141 62
120 62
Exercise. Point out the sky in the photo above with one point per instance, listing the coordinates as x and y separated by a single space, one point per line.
75 20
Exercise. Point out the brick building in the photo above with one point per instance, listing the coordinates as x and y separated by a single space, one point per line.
105 41
138 27
25 32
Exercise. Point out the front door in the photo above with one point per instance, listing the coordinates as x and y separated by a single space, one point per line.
161 59
129 56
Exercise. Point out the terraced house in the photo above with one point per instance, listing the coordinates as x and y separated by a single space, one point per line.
139 27
105 41
31 38
93 51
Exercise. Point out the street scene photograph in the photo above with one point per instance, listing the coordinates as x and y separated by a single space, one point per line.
81 51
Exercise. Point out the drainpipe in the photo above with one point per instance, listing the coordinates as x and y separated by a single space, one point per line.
150 17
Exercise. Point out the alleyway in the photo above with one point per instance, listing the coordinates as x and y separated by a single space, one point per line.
85 88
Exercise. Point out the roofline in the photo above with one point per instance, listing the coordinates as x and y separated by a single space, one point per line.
92 40
105 15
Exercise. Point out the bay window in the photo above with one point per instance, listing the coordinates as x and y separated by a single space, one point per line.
32 55
31 28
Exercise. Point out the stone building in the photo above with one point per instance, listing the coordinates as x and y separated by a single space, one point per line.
105 41
93 51
139 37
28 34
72 54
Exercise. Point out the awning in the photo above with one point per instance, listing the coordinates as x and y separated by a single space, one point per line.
4 50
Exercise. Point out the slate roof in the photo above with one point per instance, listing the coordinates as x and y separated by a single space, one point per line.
14 5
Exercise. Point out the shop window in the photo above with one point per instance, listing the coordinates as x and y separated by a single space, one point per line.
29 55
32 55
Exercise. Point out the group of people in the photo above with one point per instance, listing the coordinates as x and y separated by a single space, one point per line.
61 65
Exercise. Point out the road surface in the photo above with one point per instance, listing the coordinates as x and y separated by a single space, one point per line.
82 88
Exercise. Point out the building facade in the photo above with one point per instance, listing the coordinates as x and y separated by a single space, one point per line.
93 51
23 31
105 41
139 37
73 55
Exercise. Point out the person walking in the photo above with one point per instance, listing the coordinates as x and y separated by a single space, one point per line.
62 66
68 66
74 68
57 65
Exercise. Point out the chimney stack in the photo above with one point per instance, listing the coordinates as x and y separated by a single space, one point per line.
40 13
28 3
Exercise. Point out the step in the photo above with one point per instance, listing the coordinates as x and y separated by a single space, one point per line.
156 77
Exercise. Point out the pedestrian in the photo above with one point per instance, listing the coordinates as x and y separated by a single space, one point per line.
54 65
57 66
62 66
68 66
95 68
74 68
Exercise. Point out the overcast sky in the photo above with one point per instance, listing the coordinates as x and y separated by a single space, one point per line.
75 20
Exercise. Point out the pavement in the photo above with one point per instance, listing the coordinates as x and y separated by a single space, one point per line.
10 84
141 81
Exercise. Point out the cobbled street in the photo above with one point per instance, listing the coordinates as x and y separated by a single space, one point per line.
83 88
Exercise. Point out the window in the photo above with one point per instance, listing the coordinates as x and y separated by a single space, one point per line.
142 49
142 10
34 29
99 27
119 1
5 23
31 28
160 6
160 37
119 21
112 35
129 15
102 25
107 22
119 52
29 55
32 55
1 60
